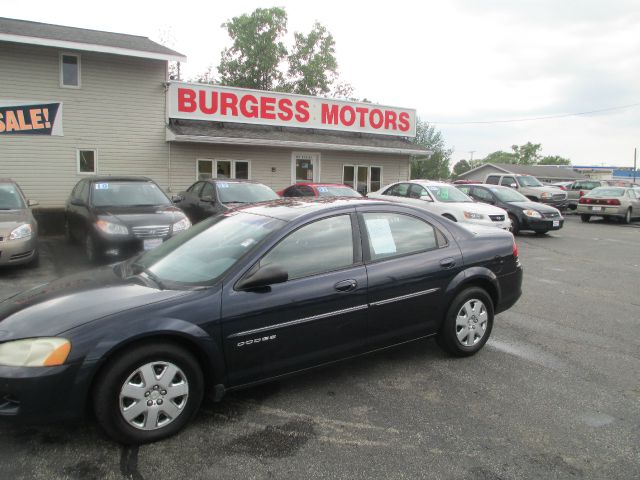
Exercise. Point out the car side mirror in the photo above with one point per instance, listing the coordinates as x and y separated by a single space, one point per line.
426 198
33 203
208 199
77 202
263 277
177 198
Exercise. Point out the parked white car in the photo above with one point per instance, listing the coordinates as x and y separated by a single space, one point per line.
446 200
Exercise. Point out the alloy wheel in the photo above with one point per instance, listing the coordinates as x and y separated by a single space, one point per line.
471 322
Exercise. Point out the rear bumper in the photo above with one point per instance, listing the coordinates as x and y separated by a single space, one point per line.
16 252
605 211
510 289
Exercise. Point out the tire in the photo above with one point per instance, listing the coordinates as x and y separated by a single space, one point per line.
542 232
450 217
627 217
90 249
515 224
67 232
35 261
126 370
585 217
472 307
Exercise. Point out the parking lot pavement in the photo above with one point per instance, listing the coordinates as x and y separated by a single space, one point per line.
555 393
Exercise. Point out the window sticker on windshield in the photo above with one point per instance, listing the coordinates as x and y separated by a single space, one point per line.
223 185
248 242
381 236
444 194
323 189
434 189
102 186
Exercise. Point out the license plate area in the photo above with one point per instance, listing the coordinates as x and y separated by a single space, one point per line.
151 243
556 223
596 209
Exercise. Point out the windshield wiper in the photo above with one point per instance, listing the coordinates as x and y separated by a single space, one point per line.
150 274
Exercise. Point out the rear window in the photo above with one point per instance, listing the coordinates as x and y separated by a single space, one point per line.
493 179
607 192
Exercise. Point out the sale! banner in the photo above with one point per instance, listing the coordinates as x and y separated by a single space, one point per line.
30 118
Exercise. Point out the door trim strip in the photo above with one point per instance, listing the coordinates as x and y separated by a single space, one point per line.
404 297
299 321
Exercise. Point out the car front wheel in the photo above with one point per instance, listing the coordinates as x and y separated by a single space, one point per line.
585 218
148 393
468 323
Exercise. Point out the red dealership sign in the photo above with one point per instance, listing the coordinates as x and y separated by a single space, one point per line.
227 104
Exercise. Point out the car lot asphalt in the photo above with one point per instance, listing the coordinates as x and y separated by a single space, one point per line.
554 394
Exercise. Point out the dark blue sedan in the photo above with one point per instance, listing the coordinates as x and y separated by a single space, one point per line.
246 296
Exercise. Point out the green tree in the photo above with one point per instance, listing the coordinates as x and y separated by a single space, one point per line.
257 51
527 154
313 67
554 160
460 167
436 166
500 157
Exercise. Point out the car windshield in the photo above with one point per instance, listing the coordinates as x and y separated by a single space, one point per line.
336 191
529 181
606 192
448 194
202 254
509 195
10 198
236 192
126 194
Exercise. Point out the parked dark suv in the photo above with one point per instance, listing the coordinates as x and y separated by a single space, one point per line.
120 216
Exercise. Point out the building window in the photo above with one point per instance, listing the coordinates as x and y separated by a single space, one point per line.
362 178
305 167
87 161
69 70
207 169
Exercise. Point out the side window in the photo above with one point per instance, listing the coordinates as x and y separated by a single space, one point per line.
315 248
208 190
576 186
398 190
482 195
632 193
508 181
196 188
493 179
290 192
305 191
393 234
75 193
464 189
84 192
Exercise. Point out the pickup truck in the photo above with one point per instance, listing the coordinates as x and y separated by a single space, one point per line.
531 188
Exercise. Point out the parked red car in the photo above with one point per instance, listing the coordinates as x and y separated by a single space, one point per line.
308 189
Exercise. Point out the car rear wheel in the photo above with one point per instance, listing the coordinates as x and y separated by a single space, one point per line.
627 217
148 393
515 224
585 218
468 323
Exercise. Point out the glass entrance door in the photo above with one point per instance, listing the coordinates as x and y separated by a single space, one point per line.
305 167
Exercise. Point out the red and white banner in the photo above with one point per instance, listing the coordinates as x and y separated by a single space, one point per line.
194 101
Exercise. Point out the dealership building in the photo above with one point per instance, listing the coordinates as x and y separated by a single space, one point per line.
76 102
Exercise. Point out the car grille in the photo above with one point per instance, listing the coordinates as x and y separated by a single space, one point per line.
559 196
551 215
497 218
152 231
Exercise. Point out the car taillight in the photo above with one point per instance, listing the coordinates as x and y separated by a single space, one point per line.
562 187
613 201
581 193
584 200
515 249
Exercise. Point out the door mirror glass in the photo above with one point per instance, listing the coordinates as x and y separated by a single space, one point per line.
176 198
33 203
77 202
263 277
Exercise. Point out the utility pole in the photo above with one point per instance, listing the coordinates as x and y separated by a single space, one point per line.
471 152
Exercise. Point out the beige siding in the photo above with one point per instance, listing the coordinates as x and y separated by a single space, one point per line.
264 160
119 110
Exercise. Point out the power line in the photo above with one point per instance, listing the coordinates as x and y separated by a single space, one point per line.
548 117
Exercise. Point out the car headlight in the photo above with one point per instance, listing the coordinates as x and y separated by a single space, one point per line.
532 213
23 231
181 225
546 195
473 216
111 228
35 352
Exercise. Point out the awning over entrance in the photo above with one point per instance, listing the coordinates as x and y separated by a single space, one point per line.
194 131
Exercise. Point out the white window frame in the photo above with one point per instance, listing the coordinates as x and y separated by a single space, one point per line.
95 160
316 166
214 166
355 175
60 66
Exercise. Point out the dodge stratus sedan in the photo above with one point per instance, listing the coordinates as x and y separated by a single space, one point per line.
244 297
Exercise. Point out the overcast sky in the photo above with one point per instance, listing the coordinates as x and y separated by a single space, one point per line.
455 61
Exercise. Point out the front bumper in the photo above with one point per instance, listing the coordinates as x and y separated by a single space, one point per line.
543 224
40 393
16 252
124 246
559 204
504 224
602 210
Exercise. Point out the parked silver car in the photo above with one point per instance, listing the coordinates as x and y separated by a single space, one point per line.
18 227
579 188
607 202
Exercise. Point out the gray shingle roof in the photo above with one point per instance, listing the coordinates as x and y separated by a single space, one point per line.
219 132
545 171
59 33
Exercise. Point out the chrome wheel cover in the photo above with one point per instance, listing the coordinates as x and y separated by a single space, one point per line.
153 396
471 322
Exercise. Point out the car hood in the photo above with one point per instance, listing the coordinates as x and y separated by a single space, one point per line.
540 207
139 216
481 208
551 190
10 219
55 307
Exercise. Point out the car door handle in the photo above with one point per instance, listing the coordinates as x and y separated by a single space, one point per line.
346 285
448 263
